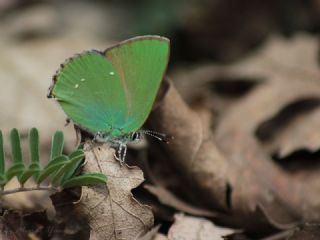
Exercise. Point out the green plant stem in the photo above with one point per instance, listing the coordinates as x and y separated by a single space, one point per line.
23 189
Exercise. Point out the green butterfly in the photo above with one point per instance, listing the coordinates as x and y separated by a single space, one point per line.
110 94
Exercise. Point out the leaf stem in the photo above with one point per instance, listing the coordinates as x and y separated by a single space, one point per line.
23 189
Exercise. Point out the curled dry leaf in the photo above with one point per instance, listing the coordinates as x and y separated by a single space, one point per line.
234 157
191 150
239 188
111 210
192 228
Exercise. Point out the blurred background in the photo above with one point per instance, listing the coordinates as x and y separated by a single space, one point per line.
257 41
36 36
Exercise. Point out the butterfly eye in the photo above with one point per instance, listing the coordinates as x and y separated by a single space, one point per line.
135 136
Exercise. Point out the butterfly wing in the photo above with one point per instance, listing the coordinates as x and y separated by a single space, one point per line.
114 90
90 92
141 63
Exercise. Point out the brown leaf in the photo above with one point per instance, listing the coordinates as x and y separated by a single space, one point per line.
160 237
169 199
150 235
290 80
192 228
10 226
306 232
191 150
277 73
111 210
27 201
212 180
299 133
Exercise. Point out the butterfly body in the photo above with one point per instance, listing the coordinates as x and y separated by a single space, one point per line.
124 138
120 142
110 94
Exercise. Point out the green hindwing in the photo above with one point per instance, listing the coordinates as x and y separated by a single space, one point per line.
115 89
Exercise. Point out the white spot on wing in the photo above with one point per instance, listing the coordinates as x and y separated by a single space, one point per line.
82 79
76 86
111 73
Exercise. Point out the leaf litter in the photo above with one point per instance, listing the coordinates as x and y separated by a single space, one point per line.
111 210
227 165
221 158
193 228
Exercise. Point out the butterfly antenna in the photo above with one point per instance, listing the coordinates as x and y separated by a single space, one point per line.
160 136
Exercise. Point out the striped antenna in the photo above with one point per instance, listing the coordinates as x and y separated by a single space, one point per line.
160 136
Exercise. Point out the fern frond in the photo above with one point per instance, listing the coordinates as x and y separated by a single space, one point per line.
60 172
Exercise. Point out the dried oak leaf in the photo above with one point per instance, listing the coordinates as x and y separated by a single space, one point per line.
193 228
285 73
289 95
240 189
232 159
191 150
291 80
111 210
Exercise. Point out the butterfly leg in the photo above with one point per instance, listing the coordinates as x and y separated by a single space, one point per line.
117 154
124 153
121 153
